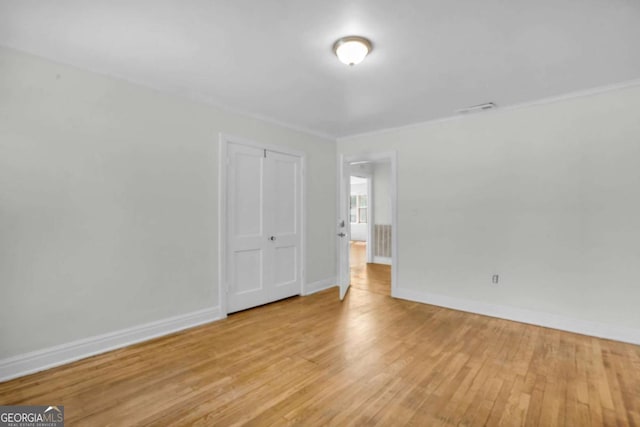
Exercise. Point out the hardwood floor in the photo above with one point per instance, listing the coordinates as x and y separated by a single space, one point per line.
369 277
370 360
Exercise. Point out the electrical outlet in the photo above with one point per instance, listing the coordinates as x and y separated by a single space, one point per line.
495 279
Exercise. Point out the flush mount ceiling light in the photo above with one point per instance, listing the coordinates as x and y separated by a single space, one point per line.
352 50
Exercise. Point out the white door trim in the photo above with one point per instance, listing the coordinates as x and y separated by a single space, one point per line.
223 141
370 218
392 157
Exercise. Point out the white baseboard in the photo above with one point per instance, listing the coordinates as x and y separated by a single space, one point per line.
382 260
554 321
320 285
40 360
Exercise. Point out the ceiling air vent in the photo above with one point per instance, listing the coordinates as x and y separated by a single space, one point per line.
476 108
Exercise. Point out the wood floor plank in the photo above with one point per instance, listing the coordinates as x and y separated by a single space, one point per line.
369 360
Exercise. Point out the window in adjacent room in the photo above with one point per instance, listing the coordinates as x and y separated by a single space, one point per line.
358 212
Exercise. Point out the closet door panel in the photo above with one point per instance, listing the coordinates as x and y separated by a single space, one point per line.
286 178
264 218
247 245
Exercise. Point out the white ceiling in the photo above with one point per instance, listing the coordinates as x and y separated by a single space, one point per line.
273 58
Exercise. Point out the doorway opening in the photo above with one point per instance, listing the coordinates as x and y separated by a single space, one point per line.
367 212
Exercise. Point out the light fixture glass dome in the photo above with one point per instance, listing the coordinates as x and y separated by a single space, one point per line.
352 50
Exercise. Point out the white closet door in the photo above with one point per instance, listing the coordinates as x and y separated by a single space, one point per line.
284 217
247 264
263 219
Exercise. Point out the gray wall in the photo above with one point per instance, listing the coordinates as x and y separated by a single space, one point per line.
547 196
108 202
381 193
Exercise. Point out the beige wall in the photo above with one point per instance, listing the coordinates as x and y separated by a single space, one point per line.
108 202
547 196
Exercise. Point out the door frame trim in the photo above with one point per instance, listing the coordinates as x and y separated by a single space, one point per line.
224 139
371 219
392 158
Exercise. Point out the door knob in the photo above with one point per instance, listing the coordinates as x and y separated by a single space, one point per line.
341 234
272 238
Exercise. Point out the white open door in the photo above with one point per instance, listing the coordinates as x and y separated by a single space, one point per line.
344 229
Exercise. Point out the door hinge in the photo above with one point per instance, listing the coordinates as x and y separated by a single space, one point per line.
265 153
